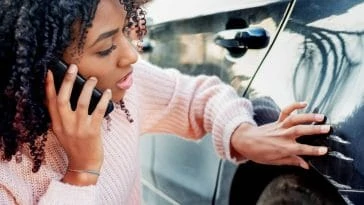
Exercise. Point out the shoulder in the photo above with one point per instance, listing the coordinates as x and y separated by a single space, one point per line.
25 186
145 68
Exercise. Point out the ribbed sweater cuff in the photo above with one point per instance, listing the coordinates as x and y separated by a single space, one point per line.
66 194
237 113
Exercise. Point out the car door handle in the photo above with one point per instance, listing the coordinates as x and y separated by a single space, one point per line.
147 45
247 38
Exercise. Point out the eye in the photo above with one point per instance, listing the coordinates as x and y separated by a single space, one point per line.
107 51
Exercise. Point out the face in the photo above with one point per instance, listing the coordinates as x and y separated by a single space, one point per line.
107 53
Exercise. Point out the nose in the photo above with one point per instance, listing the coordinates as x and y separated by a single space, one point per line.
128 54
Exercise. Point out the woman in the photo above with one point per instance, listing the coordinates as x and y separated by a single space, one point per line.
53 154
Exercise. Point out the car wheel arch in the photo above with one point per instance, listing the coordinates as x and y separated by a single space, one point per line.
251 179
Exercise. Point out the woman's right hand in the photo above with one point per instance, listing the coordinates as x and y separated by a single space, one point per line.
276 143
78 132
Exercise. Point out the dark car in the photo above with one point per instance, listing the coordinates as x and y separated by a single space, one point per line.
273 52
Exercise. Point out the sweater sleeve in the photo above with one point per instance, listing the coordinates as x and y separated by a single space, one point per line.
72 194
190 106
18 185
6 197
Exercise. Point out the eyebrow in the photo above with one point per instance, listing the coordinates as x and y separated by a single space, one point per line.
106 35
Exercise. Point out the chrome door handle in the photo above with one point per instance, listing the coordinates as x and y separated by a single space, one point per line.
247 38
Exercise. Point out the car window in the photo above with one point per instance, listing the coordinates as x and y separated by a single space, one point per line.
188 42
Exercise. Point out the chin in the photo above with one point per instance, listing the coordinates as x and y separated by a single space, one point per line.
117 97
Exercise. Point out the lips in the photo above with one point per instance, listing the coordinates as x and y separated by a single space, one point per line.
125 82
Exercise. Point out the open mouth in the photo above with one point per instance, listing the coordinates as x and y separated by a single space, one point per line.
125 82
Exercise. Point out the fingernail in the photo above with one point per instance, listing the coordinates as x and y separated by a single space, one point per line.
93 78
319 117
322 150
72 69
325 128
108 91
304 103
304 165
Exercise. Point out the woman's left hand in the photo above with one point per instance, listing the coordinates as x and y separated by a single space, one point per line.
275 143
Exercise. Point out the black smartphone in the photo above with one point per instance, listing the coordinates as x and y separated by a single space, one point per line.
59 70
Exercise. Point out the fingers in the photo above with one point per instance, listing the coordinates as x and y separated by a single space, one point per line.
84 102
307 150
85 97
61 102
81 141
301 130
293 161
65 91
99 112
289 109
306 118
51 97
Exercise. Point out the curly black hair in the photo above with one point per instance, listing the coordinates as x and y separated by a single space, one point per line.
32 33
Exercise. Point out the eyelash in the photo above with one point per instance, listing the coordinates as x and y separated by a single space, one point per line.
107 51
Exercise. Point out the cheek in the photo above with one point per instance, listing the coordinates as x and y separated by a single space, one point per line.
102 71
106 73
94 67
104 83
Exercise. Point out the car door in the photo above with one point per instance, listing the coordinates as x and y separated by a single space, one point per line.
318 58
193 36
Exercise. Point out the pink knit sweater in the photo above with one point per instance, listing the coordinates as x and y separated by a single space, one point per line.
158 101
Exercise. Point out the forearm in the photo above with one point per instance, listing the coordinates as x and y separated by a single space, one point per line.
197 104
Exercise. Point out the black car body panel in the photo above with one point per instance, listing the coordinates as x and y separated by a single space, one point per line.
323 65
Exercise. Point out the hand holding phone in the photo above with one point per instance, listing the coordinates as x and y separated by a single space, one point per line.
59 70
79 134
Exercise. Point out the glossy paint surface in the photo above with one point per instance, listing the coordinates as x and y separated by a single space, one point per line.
319 58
